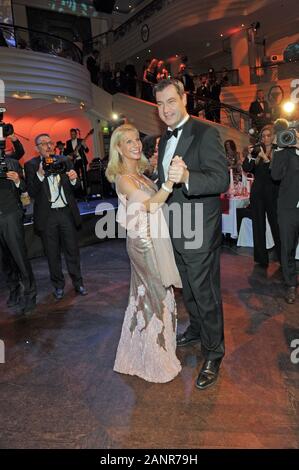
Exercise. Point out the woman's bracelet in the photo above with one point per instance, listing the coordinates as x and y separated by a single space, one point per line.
163 186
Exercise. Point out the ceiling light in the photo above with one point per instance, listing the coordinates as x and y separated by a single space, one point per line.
60 99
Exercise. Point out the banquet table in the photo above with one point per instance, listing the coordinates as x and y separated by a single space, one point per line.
229 219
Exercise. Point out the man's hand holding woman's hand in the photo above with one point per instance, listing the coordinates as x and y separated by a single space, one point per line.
178 171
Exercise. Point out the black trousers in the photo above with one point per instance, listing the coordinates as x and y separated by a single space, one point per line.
288 220
262 204
16 265
200 274
60 235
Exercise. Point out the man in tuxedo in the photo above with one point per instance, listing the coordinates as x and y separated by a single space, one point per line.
187 80
285 168
260 111
191 153
76 149
56 215
13 251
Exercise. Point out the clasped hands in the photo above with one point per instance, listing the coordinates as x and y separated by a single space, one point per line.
178 171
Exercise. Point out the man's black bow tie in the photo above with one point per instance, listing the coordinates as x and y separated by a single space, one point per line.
174 133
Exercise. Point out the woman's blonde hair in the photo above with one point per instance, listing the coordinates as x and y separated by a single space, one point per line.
116 165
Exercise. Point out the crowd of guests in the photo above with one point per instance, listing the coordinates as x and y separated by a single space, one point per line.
203 91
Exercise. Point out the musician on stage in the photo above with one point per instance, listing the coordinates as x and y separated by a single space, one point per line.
76 149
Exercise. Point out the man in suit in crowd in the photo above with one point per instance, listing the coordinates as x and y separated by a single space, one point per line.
93 66
199 170
187 80
15 263
76 149
285 168
260 111
56 215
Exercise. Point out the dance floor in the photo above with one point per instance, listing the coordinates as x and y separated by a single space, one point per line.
58 388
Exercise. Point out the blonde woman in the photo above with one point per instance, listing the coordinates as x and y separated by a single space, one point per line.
148 339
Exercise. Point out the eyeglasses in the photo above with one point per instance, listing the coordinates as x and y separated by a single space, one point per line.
46 144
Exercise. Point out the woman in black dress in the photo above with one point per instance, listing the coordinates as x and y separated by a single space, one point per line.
263 197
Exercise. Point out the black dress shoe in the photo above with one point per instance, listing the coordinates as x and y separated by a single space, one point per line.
208 374
291 295
14 298
29 306
81 290
58 294
185 339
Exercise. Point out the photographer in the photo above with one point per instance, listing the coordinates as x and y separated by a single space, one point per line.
285 168
16 265
264 194
17 151
56 214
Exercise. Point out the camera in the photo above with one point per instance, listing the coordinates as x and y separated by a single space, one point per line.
5 129
286 133
287 138
54 165
257 148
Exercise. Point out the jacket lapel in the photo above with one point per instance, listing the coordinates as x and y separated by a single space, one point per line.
185 140
46 185
161 151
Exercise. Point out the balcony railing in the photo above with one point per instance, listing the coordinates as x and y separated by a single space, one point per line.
275 72
23 38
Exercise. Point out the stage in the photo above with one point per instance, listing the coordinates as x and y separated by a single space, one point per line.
91 211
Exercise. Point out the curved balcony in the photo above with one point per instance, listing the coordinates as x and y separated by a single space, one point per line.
38 41
44 76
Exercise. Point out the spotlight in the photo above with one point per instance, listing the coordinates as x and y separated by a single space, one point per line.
288 107
115 116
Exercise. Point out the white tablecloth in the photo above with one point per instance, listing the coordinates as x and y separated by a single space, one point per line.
245 237
229 221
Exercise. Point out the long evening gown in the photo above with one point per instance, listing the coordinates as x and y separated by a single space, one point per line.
148 339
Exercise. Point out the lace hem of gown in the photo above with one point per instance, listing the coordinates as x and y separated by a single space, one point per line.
148 351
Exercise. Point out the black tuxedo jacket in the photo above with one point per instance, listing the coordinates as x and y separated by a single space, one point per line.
13 165
285 167
255 108
40 192
202 150
69 149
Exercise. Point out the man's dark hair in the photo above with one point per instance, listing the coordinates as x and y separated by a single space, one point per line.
73 130
169 81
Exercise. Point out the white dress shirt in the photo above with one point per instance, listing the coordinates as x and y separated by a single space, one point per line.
74 145
58 199
171 146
